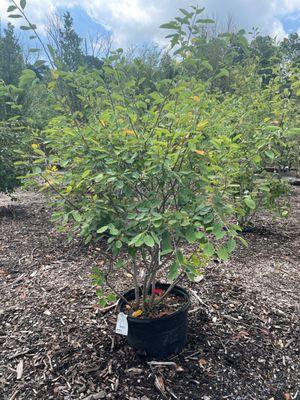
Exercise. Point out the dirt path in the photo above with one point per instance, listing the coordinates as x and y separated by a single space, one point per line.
244 335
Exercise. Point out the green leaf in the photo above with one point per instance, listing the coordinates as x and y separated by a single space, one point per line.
11 8
166 244
256 159
85 173
223 253
157 222
102 229
241 239
155 237
231 245
36 170
118 244
39 63
199 235
179 257
190 235
270 154
39 152
25 28
170 25
173 271
15 16
218 231
102 301
113 230
205 21
26 78
22 4
88 239
208 249
136 239
223 73
148 240
293 132
51 50
98 178
198 10
207 65
111 297
185 12
77 217
119 263
250 202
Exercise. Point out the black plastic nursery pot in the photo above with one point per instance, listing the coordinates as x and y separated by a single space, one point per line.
159 337
250 228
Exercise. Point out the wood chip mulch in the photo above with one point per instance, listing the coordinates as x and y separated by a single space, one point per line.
55 343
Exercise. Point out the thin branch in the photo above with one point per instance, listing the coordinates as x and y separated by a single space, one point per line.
35 32
116 292
177 280
60 195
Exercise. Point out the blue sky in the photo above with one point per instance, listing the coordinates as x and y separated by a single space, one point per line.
291 22
83 23
137 21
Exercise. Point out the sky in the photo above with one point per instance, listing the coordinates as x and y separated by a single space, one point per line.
133 22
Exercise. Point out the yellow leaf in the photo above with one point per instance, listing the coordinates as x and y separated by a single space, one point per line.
54 168
201 152
35 146
54 75
137 313
102 123
52 85
129 132
196 99
201 125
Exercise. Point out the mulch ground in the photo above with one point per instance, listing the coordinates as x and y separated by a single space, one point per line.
55 343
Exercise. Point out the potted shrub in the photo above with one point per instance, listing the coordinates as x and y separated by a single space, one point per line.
137 175
138 179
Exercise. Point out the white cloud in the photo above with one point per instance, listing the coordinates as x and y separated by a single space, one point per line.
277 30
137 21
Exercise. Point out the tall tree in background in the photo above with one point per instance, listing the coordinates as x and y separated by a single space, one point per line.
11 59
290 47
266 50
70 44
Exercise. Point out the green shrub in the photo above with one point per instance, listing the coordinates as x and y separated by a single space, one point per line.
139 176
10 134
8 171
246 143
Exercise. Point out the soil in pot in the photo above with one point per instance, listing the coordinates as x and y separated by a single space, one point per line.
168 305
159 336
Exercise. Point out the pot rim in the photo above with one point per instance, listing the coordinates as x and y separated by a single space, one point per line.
184 308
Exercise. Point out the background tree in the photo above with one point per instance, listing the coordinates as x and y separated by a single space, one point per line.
268 55
70 44
11 58
290 48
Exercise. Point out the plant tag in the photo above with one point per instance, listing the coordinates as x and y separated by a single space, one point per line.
122 324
